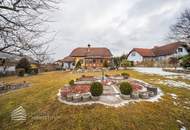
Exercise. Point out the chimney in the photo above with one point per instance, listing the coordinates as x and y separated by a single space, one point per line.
89 47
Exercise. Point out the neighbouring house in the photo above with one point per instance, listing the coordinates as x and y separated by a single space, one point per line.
89 57
157 55
8 63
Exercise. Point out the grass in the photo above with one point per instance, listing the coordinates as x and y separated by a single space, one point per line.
40 101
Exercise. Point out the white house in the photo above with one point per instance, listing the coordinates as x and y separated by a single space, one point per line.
157 54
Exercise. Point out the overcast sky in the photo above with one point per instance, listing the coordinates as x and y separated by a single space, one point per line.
119 25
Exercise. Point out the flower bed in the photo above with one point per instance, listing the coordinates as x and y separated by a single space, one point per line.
75 89
80 92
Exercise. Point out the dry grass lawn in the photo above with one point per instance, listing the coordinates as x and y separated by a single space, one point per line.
40 102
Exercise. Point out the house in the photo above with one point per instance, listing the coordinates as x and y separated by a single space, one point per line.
8 63
158 54
89 57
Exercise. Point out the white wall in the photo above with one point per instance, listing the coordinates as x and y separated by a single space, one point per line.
183 53
66 66
177 54
10 69
135 57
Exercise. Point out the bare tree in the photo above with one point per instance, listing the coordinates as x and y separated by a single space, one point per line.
180 31
21 26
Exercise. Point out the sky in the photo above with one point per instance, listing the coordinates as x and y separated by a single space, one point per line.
119 25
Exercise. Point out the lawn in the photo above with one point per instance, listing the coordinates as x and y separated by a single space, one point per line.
44 111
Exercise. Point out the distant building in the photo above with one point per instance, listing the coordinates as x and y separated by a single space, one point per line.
89 57
10 61
157 54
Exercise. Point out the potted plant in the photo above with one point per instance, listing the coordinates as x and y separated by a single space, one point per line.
125 75
126 90
96 90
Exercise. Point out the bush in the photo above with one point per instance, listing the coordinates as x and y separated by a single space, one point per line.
23 64
185 61
36 71
20 72
125 88
125 75
71 82
96 89
78 65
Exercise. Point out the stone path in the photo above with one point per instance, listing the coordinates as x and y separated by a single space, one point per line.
110 95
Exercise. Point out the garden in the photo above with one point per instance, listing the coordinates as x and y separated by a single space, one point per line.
112 90
169 109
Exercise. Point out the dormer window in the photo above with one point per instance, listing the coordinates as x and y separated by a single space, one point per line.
180 49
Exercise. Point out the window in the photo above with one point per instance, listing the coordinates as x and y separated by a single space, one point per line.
180 49
133 54
94 61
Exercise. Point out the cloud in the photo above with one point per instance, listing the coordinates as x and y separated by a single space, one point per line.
117 24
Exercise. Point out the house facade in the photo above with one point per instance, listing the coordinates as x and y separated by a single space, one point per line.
157 55
89 57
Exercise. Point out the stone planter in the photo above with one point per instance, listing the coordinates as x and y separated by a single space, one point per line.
69 97
86 97
153 89
63 98
125 97
135 95
144 95
77 98
95 98
151 94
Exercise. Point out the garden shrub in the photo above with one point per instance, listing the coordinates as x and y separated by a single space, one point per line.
96 89
23 64
125 75
78 65
20 72
185 61
125 88
71 82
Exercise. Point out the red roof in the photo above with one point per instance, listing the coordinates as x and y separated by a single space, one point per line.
68 59
159 51
91 52
144 52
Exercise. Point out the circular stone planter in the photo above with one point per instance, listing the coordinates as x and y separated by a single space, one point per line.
95 98
69 97
151 94
153 89
135 95
144 95
86 97
125 97
77 98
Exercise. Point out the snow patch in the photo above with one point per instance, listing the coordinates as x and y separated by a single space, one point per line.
178 84
159 71
153 70
174 96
